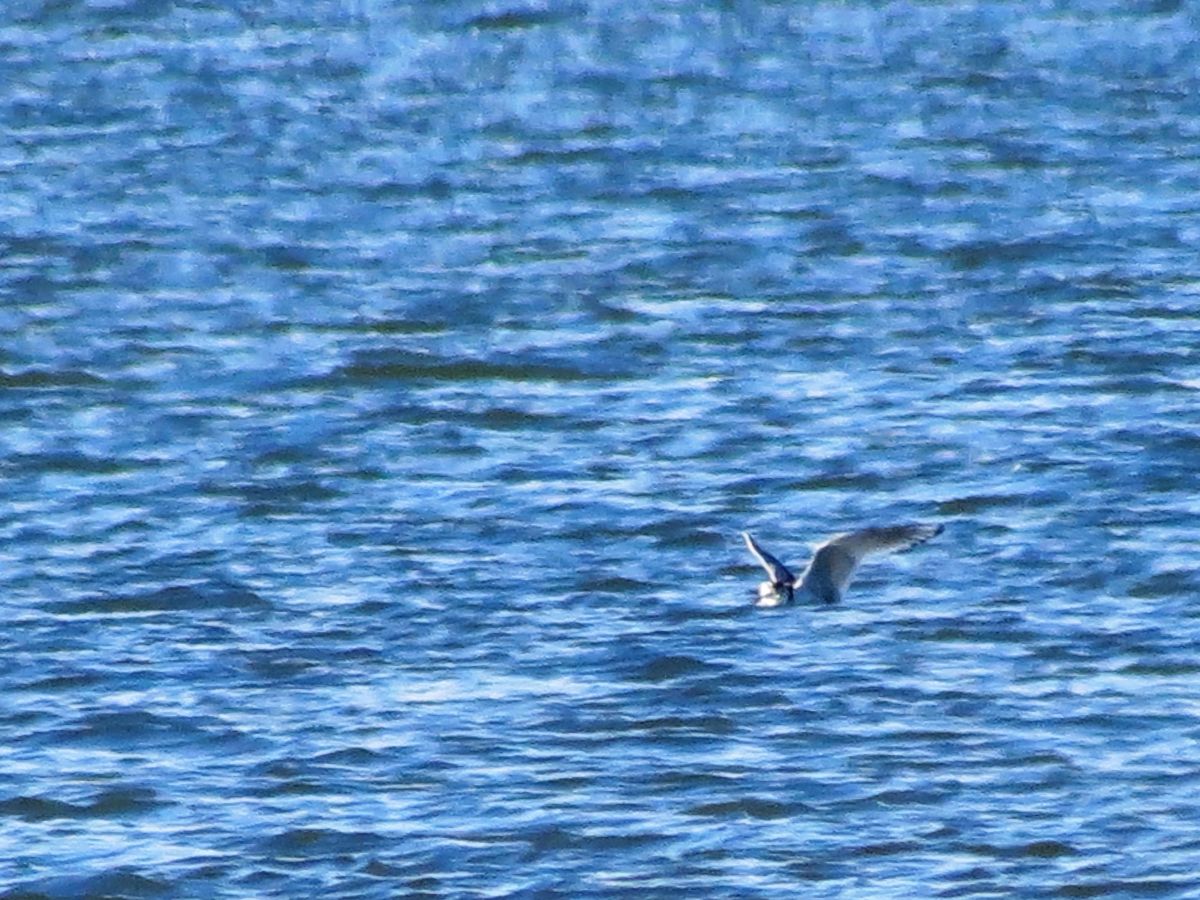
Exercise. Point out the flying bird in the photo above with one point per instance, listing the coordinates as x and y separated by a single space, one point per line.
833 563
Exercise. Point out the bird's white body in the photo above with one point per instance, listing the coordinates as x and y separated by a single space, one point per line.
770 596
833 563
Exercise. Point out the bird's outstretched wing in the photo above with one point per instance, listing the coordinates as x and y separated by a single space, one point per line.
833 565
776 571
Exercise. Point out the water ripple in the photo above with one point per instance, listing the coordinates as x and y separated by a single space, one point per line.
385 387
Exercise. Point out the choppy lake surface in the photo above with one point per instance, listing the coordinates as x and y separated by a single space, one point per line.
383 388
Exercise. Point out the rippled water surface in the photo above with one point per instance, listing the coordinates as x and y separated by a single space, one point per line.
383 387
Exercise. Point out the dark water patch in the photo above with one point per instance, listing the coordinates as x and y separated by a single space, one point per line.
525 17
121 802
888 848
972 505
1156 310
397 366
745 807
816 870
901 736
521 420
1164 669
1140 385
26 720
72 463
350 756
67 682
970 633
668 668
555 840
1048 849
1041 849
115 884
903 797
972 255
1145 887
274 497
205 596
391 327
283 664
567 783
665 726
114 803
566 156
49 379
978 881
287 456
140 729
38 809
1177 583
1031 761
300 844
702 780
857 481
329 775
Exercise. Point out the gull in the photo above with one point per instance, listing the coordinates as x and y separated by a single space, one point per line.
833 563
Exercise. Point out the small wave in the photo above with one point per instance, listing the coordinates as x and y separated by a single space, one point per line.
669 667
50 378
887 848
1144 887
507 19
138 728
407 367
308 842
113 803
702 724
122 882
176 598
752 807
38 809
70 463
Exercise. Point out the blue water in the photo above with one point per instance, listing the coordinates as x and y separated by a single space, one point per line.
383 387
